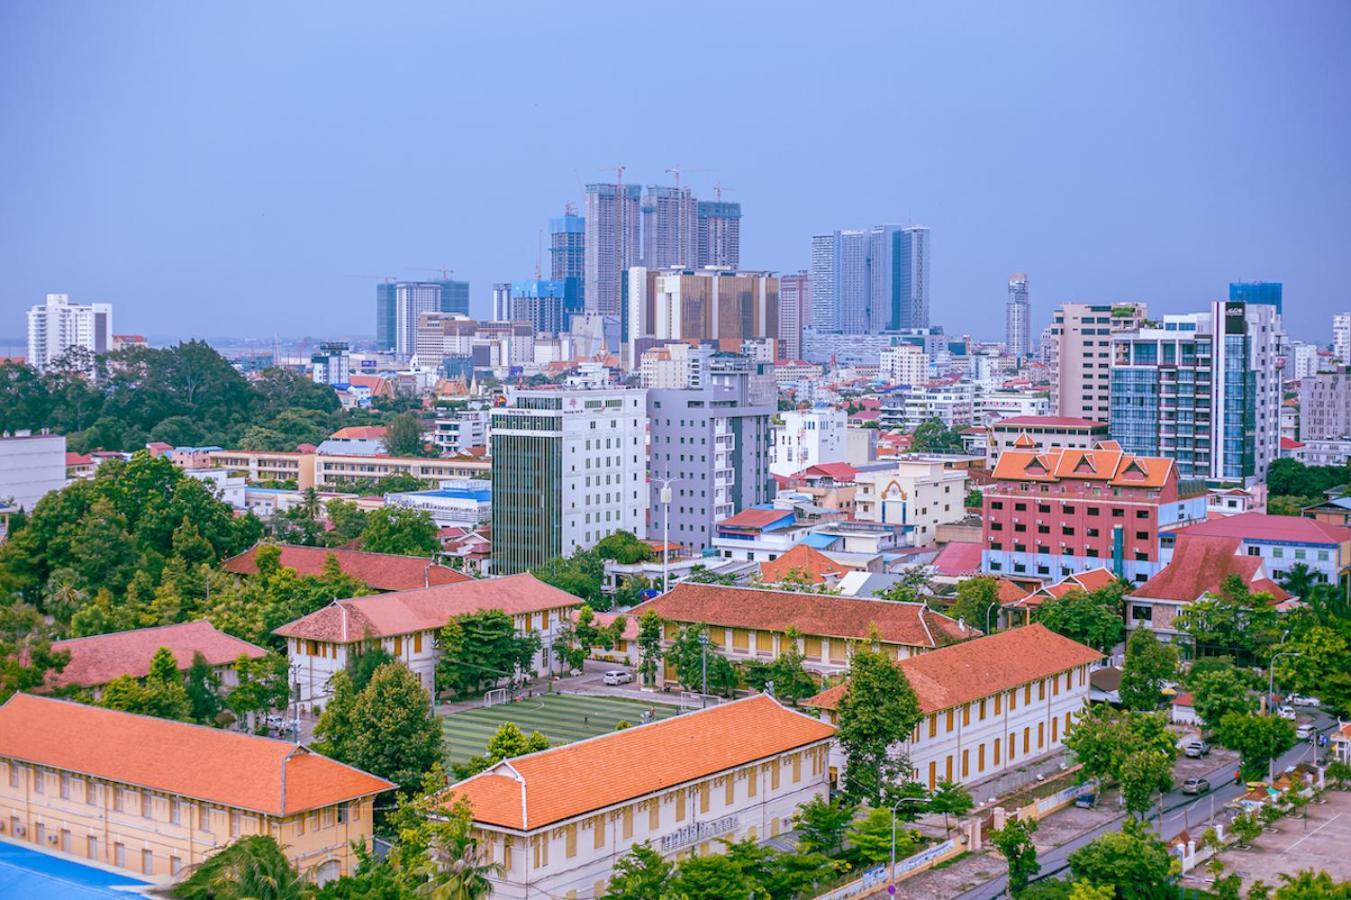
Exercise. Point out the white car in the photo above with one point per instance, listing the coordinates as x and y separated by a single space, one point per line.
1304 732
617 676
1286 712
1297 700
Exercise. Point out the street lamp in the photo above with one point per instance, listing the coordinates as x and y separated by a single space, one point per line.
703 664
1271 690
665 497
989 609
891 872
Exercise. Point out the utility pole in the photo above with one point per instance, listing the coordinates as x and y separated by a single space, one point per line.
665 497
703 663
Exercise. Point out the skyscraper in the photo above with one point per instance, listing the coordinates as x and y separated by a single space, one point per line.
697 304
670 227
1341 338
719 233
913 305
821 309
540 303
1202 390
409 300
866 281
454 296
1079 353
1018 317
502 301
1268 292
386 316
613 225
794 306
567 257
57 326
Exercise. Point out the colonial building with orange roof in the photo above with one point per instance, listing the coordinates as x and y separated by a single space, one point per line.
154 797
751 623
98 659
406 623
1018 610
378 571
557 821
1049 514
988 705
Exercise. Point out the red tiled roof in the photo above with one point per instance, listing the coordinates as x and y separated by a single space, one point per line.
809 562
836 471
78 459
380 571
912 624
539 789
404 612
755 518
1088 582
958 558
238 770
1008 592
1262 527
951 676
1199 566
99 659
359 433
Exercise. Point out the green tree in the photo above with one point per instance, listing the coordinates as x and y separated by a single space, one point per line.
821 823
1257 740
203 691
624 548
870 837
480 649
580 575
1148 664
1298 579
347 521
932 436
362 664
1014 843
950 798
1247 828
713 877
641 874
26 655
1145 773
1309 885
691 660
507 743
1322 666
786 673
161 693
1217 692
976 597
251 868
1132 859
1103 739
403 436
1093 619
649 646
260 684
877 712
400 530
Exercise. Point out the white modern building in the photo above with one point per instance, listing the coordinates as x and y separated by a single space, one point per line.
462 431
1018 317
905 364
458 501
952 403
569 468
31 466
807 438
58 325
332 364
919 493
1341 338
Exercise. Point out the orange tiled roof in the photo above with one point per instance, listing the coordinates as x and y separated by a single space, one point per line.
808 561
823 615
360 433
239 770
381 571
404 612
539 789
1199 566
101 658
1106 464
963 672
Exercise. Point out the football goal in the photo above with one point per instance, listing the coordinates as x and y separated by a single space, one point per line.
495 697
691 700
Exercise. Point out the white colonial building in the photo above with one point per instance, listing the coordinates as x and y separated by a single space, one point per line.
807 438
557 821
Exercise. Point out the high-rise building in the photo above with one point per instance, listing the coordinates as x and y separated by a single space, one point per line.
1018 317
1325 407
454 296
569 468
332 364
386 315
697 304
540 303
912 309
869 280
567 258
613 223
1341 338
502 301
1203 390
712 444
57 326
807 438
719 233
1080 356
1268 292
905 364
670 227
794 310
822 306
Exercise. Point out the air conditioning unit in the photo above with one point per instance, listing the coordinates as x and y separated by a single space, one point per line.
20 831
51 839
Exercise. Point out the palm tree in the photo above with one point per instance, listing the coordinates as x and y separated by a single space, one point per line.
1299 580
252 867
310 505
455 869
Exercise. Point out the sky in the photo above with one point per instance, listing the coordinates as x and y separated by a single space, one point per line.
254 168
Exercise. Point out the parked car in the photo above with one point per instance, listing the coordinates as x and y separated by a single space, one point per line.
275 721
1298 700
1196 749
617 676
1086 801
1195 786
1306 731
1286 712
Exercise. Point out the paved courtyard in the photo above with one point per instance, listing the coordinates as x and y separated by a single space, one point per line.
1320 843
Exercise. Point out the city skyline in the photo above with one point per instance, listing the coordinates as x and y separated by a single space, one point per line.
249 201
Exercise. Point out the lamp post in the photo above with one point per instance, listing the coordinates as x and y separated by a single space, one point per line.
665 497
1271 690
703 665
891 871
989 609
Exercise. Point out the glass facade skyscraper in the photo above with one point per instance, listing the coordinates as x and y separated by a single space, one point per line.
386 316
1268 292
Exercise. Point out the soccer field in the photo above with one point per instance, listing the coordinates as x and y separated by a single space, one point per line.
562 718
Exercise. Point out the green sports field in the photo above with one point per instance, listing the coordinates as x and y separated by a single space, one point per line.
562 718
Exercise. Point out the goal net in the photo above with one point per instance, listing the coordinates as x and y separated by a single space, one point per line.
495 696
694 700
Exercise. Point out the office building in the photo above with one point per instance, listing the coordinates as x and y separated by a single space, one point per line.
462 431
670 228
569 468
58 326
1265 292
386 315
1301 360
697 304
331 364
1051 514
911 309
711 445
794 312
31 466
807 438
541 303
905 364
412 299
1203 390
1341 338
1018 317
611 243
719 234
567 258
1325 407
869 280
1081 356
951 402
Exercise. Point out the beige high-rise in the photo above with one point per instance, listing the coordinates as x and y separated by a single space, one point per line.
1081 356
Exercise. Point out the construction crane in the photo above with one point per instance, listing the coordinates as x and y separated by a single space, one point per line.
718 189
387 279
445 272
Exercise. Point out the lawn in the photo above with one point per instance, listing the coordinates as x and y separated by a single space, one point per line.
562 718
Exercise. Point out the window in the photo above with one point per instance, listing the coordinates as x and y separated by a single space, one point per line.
933 725
148 862
1142 535
175 811
966 714
234 823
1142 514
203 817
949 720
1067 531
1118 513
120 855
65 786
39 781
91 847
1093 511
119 799
147 805
342 813
175 865
14 774
417 642
91 792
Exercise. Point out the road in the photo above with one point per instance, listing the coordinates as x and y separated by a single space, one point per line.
1174 817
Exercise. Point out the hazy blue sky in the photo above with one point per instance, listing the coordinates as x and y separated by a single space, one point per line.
233 167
